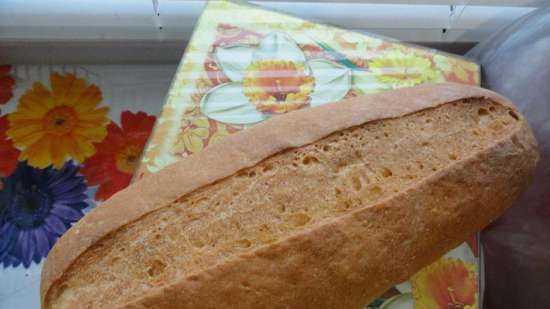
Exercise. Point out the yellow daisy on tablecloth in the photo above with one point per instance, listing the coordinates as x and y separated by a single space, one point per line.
400 69
51 126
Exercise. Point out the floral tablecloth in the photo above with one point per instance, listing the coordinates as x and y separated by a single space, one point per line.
70 137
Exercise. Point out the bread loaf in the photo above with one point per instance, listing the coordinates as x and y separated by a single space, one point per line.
319 208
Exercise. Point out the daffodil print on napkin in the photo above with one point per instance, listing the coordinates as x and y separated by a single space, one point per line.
449 283
446 284
271 78
398 69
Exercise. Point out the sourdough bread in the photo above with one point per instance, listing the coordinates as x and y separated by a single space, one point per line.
320 208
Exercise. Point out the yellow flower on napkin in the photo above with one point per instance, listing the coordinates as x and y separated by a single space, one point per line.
401 69
192 135
445 284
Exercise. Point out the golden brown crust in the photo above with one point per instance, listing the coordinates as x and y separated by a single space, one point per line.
324 267
247 149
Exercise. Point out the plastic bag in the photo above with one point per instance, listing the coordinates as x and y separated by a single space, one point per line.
516 63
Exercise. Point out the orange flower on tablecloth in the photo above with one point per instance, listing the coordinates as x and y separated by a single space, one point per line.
445 284
8 153
117 156
6 83
53 126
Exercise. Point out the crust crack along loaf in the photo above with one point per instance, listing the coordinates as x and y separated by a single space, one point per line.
320 208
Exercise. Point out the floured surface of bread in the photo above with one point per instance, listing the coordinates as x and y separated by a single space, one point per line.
291 191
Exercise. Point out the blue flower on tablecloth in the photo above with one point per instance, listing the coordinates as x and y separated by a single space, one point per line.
36 207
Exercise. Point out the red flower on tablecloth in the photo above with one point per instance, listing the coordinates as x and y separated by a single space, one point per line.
118 154
6 83
8 153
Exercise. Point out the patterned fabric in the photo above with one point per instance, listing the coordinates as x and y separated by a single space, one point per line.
70 137
58 142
